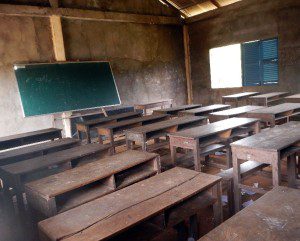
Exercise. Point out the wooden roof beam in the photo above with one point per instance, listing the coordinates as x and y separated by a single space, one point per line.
69 13
214 2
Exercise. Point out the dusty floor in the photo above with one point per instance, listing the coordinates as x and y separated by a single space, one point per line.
17 227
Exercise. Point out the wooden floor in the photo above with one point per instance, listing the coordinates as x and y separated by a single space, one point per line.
15 228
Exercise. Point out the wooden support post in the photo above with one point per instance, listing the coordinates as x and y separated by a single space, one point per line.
186 43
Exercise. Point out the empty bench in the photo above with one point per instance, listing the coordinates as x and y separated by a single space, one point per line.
69 189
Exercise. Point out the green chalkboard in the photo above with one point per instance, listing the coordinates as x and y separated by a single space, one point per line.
59 87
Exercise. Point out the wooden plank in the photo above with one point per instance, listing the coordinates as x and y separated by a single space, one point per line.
176 109
187 60
155 104
277 109
56 158
205 110
293 98
240 95
57 38
29 138
213 128
34 11
274 139
274 216
23 153
127 207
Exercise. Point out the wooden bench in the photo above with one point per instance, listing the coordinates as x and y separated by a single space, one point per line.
276 114
156 130
162 195
17 174
230 113
247 168
267 99
29 138
150 105
63 191
204 111
236 98
118 128
174 110
23 153
86 126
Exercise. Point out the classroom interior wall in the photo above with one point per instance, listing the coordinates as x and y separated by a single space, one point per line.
147 60
247 21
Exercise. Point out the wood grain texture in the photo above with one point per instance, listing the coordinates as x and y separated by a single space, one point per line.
204 110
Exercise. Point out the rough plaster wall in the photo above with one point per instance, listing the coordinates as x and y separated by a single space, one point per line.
258 19
147 60
21 40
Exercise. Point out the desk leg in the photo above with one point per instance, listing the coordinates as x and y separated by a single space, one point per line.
237 181
217 207
129 144
276 172
144 144
228 155
197 161
291 170
173 154
194 227
88 135
19 192
112 142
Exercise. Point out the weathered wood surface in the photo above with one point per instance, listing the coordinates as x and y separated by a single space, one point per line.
127 207
86 126
23 153
274 216
276 113
55 158
205 110
236 98
266 99
176 109
272 140
136 163
150 105
234 112
213 128
293 98
29 138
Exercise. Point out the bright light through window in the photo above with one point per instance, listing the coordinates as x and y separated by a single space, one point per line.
226 66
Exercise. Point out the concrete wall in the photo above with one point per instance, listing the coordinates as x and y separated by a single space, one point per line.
247 21
147 60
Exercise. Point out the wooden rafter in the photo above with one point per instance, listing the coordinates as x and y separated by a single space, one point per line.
214 2
34 11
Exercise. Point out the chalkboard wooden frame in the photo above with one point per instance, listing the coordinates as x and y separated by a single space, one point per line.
111 98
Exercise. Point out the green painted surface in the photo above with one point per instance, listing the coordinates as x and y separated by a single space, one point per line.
52 88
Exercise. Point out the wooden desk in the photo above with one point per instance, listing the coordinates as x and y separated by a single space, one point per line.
174 110
29 138
16 174
276 113
116 212
234 112
69 189
266 99
204 111
197 138
86 126
267 147
154 131
235 98
293 98
23 153
274 216
150 105
110 130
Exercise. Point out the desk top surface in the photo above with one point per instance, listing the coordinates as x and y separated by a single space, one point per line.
276 109
77 177
54 158
239 95
178 108
237 110
205 109
214 128
29 134
268 95
296 96
274 139
154 102
274 216
127 207
165 124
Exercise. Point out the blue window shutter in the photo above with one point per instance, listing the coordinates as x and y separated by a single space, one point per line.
251 63
269 61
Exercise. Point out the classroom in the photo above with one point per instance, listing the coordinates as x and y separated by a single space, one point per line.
150 120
